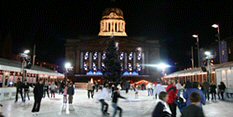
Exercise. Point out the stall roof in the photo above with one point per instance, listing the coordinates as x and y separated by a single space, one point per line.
10 65
194 71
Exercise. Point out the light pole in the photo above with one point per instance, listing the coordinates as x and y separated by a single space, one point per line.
219 41
24 56
209 56
198 49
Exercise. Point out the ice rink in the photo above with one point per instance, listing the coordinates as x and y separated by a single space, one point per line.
84 107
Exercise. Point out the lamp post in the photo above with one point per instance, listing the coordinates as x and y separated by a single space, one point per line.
219 41
198 49
24 56
209 56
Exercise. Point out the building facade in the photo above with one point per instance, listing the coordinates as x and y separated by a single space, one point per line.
88 53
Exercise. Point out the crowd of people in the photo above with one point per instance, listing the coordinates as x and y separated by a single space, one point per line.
188 97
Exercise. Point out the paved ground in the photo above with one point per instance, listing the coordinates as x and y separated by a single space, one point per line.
84 107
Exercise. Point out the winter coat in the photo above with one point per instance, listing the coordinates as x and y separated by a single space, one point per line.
70 90
89 86
104 94
189 91
116 95
38 90
213 88
193 111
172 94
161 110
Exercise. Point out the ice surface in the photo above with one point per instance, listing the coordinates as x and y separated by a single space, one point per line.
84 107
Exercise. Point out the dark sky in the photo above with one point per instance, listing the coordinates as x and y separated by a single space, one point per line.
49 22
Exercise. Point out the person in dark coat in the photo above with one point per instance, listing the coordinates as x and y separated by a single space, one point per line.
26 90
162 109
38 94
213 91
116 95
194 110
70 92
222 88
19 90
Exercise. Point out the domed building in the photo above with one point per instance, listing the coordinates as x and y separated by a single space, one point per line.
88 53
112 23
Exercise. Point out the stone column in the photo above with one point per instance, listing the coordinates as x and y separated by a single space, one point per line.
99 60
134 60
117 27
81 60
113 26
126 58
107 26
90 60
143 60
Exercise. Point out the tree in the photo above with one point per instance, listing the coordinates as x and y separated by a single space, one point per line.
112 64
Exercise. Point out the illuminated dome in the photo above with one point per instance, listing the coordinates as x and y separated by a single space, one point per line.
118 13
112 23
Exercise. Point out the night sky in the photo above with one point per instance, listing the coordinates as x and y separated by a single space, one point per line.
49 22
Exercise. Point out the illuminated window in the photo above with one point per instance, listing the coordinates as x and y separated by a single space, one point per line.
86 56
139 56
95 56
131 56
104 56
94 67
122 56
130 67
85 66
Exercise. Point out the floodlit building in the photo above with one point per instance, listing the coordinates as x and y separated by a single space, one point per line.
87 53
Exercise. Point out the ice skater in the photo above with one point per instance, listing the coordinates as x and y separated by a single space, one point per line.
38 94
70 92
19 90
26 90
104 95
116 95
65 98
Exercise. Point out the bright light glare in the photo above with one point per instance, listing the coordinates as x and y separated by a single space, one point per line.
215 25
207 53
26 51
68 65
161 66
195 36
